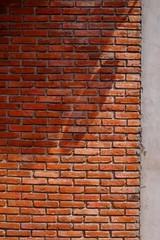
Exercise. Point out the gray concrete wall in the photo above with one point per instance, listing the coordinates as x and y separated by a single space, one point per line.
150 182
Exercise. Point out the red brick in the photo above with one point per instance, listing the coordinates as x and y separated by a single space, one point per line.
84 227
19 188
9 210
44 219
97 234
35 33
19 203
21 10
21 218
33 226
90 18
70 233
48 11
70 119
36 3
21 233
46 233
33 196
23 55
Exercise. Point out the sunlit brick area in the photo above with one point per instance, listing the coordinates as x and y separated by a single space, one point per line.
69 119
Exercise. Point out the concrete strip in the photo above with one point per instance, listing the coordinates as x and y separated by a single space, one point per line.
150 182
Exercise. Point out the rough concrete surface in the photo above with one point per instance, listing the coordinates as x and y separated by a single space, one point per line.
150 182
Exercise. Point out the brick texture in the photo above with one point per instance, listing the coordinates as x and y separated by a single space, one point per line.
69 119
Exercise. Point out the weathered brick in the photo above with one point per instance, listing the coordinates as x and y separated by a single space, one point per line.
70 119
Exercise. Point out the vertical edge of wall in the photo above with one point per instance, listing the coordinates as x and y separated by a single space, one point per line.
150 180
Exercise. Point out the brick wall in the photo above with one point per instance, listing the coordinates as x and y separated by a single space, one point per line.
69 107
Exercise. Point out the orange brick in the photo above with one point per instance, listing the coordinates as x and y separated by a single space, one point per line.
70 86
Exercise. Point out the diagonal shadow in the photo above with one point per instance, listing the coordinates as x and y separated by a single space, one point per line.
92 88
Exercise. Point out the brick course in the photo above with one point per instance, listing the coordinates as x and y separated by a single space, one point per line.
69 119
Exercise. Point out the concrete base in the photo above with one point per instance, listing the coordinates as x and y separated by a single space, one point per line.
150 183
